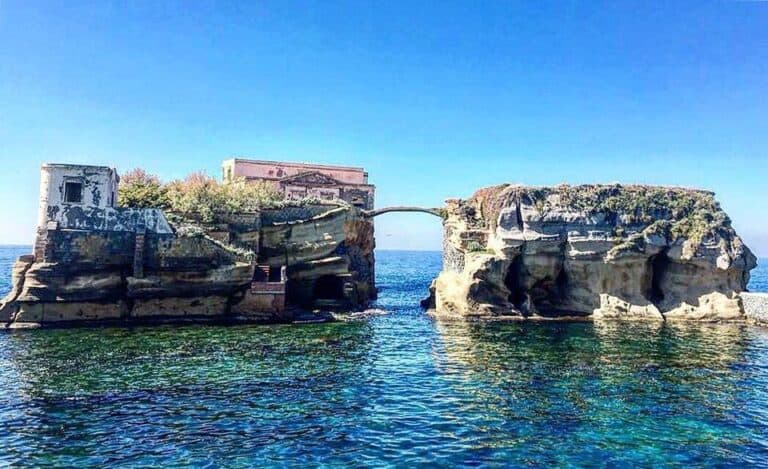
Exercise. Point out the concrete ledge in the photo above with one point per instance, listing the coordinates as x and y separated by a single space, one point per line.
756 307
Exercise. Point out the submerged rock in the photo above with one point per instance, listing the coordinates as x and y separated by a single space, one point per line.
597 251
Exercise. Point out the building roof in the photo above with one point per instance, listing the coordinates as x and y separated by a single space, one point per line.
78 166
296 164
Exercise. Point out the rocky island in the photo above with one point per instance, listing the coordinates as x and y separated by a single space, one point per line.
591 251
217 257
245 250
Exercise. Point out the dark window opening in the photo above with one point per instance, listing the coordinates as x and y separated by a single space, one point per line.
275 274
267 273
329 287
73 192
261 273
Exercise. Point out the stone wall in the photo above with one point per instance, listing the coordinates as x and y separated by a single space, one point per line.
94 276
99 248
183 254
263 300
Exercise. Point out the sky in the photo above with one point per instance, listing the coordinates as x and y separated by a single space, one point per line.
435 99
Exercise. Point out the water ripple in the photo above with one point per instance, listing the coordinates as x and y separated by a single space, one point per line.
391 389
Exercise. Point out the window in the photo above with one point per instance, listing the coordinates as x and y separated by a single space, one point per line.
73 192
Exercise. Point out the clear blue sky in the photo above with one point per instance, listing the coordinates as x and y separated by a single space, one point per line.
434 98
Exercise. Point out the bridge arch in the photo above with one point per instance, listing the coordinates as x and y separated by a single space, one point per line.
381 211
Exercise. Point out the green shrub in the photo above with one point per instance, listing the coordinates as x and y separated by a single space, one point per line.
139 189
197 194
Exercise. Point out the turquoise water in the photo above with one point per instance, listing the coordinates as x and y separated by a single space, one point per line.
395 389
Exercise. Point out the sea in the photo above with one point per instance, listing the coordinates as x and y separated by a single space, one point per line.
396 389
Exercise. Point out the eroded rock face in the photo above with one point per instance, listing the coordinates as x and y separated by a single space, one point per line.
202 271
609 252
329 257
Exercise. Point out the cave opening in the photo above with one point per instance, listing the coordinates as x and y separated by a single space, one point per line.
561 283
659 264
548 296
513 282
329 287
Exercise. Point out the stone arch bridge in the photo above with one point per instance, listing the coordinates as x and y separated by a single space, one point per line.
438 212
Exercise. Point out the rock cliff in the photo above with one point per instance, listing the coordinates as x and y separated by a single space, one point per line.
599 251
321 254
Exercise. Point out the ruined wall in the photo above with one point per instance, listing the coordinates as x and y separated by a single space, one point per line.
453 257
112 275
77 217
93 276
98 189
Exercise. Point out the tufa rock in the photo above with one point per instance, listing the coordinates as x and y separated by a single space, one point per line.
598 251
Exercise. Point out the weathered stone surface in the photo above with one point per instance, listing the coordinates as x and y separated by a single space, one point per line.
57 312
8 306
338 242
612 307
206 271
755 307
174 307
607 252
263 305
221 280
57 282
111 219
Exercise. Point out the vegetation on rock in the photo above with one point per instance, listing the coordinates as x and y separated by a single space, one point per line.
197 194
203 195
139 189
671 212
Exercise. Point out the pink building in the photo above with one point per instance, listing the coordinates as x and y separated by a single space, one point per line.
300 180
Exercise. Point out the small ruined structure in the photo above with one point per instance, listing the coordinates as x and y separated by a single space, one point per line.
301 180
592 251
94 261
78 197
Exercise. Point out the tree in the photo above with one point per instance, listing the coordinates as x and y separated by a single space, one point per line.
197 194
201 194
139 189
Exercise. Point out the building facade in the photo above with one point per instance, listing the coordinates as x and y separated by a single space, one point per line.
64 186
301 180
